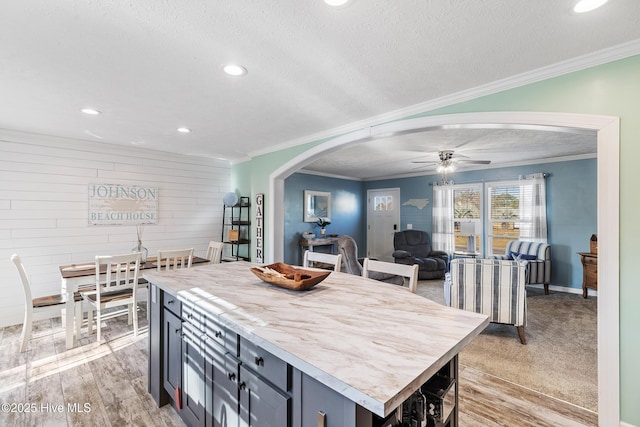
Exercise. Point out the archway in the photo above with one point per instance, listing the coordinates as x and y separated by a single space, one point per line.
608 142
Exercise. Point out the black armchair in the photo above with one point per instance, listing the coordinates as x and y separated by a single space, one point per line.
414 247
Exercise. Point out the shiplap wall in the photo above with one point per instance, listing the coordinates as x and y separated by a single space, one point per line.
44 204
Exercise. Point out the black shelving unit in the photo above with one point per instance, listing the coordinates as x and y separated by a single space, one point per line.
235 230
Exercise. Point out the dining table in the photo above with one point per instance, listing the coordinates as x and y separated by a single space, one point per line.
77 276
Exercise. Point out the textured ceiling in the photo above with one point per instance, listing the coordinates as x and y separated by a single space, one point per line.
395 156
151 66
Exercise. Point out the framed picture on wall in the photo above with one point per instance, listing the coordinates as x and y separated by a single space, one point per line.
317 204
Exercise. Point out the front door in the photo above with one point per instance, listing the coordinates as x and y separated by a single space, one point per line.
383 219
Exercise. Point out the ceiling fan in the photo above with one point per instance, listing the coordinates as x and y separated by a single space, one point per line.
448 160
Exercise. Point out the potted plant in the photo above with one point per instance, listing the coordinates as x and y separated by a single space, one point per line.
322 223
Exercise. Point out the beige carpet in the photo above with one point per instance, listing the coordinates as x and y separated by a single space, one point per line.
560 358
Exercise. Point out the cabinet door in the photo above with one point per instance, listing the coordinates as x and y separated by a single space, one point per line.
172 330
262 405
315 401
265 364
225 391
193 378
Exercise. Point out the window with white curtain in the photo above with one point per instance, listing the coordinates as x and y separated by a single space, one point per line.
516 210
442 228
467 216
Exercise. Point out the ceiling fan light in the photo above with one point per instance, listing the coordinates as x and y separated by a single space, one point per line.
445 167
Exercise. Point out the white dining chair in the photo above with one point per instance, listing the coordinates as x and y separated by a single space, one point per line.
41 308
116 285
214 252
310 257
408 272
173 259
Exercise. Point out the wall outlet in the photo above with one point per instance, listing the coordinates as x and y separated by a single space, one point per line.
409 226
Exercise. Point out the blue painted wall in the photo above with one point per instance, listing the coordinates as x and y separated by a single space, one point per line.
420 187
347 215
571 207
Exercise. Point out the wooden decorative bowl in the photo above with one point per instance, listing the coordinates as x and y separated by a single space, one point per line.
289 277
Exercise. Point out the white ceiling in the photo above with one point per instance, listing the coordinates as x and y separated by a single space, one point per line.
395 156
151 66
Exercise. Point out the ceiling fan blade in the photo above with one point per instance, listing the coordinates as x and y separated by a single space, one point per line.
447 157
424 167
428 162
477 162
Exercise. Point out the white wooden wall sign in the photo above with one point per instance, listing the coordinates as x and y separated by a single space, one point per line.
111 204
259 227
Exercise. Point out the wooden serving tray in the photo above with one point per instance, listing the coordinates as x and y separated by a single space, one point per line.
289 277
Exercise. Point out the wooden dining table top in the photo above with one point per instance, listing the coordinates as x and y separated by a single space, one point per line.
70 271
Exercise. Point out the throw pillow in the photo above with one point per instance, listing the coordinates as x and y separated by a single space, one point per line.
517 256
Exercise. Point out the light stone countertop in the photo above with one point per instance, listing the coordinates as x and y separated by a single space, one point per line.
372 342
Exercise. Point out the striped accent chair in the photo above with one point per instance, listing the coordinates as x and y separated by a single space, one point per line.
492 287
539 268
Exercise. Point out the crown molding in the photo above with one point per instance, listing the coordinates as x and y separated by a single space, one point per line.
604 56
328 175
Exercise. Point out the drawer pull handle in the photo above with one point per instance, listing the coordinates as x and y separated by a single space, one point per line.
170 301
231 376
322 419
218 334
259 361
242 386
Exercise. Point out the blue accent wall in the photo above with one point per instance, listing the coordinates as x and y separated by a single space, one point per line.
419 187
571 208
347 211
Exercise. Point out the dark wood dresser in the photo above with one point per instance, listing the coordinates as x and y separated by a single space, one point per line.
589 271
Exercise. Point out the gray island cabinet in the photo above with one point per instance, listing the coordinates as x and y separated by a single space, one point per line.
226 349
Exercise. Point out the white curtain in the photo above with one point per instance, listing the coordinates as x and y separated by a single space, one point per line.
442 228
533 208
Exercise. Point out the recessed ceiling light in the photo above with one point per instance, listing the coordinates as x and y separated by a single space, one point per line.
336 3
90 111
235 70
184 130
588 5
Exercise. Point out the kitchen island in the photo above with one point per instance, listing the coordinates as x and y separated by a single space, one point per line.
227 349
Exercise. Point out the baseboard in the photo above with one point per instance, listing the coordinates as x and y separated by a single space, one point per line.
623 424
566 289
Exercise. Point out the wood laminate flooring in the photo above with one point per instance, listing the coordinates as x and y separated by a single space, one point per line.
106 385
488 401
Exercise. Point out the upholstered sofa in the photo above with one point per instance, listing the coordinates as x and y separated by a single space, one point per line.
492 287
414 247
537 257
